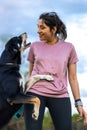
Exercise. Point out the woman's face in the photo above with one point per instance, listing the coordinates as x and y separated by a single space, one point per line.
44 31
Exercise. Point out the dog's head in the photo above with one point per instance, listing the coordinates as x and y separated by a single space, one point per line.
17 44
13 49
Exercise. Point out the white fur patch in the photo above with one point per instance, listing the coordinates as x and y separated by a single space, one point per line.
32 80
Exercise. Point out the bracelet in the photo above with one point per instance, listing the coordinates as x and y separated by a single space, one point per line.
78 102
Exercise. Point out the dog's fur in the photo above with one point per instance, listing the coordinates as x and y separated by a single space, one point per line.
33 79
11 97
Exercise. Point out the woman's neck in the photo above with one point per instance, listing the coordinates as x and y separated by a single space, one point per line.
53 41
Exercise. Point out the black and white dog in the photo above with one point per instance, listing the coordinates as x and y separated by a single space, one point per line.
11 97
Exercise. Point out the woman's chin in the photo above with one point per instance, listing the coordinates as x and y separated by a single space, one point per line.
41 39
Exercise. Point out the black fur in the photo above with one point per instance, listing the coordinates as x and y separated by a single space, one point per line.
10 61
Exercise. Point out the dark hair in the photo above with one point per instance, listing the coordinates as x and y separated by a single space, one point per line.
51 19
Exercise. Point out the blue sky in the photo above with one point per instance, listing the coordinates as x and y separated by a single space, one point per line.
18 16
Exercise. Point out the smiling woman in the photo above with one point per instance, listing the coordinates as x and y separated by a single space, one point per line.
51 19
57 58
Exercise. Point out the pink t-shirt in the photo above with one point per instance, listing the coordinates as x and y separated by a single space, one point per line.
53 60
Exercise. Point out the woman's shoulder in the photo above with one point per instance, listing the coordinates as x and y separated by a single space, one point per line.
66 43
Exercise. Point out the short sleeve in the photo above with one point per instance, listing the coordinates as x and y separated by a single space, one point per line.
73 58
30 56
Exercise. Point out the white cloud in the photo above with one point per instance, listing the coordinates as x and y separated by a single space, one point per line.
83 83
77 34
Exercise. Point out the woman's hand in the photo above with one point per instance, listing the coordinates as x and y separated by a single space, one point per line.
83 114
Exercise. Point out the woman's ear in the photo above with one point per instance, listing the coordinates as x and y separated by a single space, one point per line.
54 30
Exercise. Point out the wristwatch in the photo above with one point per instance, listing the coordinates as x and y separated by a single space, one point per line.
78 102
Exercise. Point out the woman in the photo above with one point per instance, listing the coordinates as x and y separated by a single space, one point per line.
53 56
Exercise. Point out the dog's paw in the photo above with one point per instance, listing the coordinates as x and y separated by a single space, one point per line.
48 77
35 115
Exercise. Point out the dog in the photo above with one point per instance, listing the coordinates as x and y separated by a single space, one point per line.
11 85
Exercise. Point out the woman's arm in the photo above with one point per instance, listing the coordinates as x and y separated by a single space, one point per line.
30 68
73 81
75 90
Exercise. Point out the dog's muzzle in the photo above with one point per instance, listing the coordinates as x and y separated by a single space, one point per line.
24 44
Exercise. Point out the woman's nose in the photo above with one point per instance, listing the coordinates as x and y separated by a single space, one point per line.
39 30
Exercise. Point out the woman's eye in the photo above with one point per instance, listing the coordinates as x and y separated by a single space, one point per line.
42 27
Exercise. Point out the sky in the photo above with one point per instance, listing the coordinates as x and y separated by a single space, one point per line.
18 16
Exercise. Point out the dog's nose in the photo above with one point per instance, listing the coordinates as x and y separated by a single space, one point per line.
24 33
